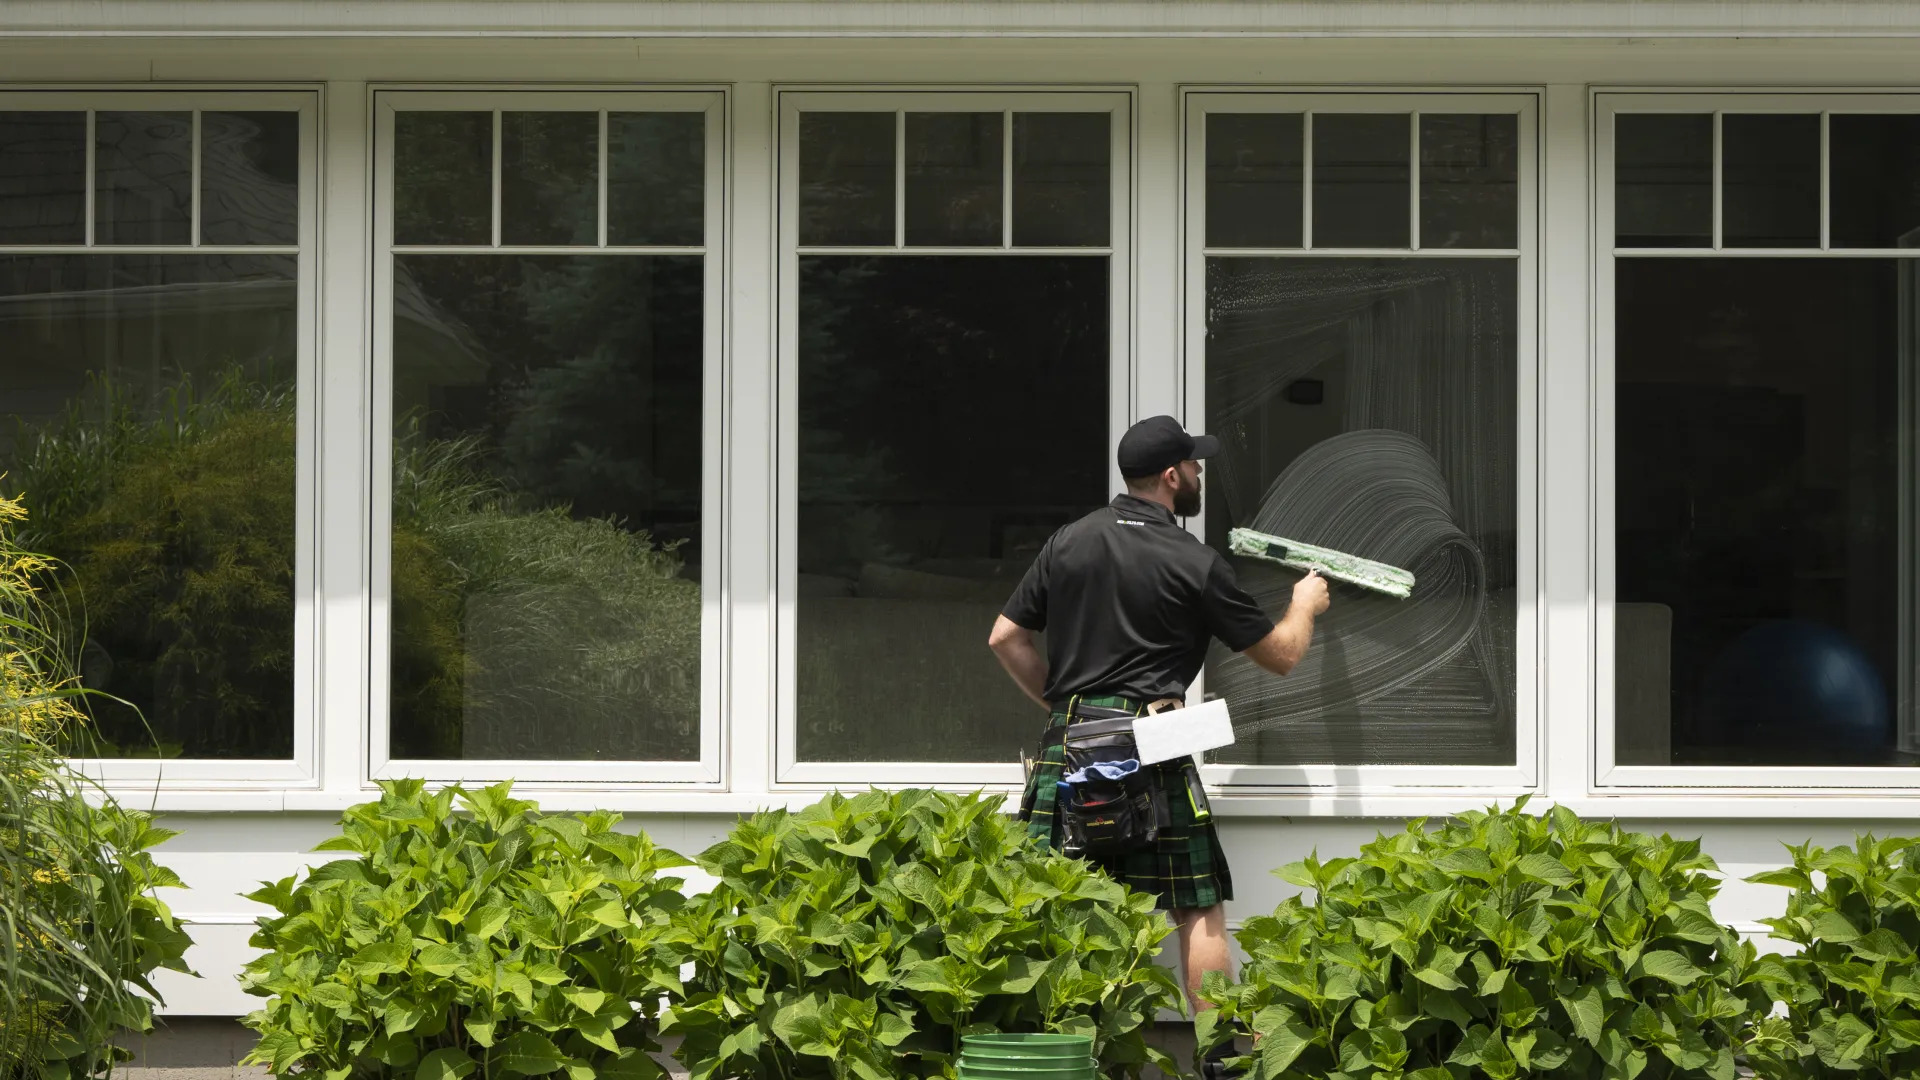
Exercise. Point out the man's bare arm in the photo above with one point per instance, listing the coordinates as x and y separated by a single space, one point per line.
1287 642
1013 646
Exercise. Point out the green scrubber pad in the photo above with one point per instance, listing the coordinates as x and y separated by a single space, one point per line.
1334 565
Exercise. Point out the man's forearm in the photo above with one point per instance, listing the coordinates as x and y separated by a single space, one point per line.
1013 646
1282 648
1028 668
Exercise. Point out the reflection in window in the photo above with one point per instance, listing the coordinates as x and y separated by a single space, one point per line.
546 507
1362 180
1763 411
148 418
1770 187
953 414
1875 173
1254 167
1369 405
43 177
143 176
1663 180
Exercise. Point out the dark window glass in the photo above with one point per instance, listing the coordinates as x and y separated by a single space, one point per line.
954 177
546 507
1362 180
143 178
1370 406
249 178
1771 168
443 178
1875 173
43 177
953 414
1254 192
656 178
1470 181
1759 505
846 179
1663 180
147 413
1062 179
549 178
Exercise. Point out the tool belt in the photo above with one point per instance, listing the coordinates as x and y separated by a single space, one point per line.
1107 802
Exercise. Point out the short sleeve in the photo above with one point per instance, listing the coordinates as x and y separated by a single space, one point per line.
1232 615
1028 604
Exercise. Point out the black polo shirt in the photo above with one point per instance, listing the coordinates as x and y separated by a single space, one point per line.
1128 600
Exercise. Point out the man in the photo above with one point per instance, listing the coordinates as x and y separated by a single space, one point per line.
1128 600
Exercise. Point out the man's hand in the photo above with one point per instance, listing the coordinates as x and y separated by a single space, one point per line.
1280 650
1013 645
1310 592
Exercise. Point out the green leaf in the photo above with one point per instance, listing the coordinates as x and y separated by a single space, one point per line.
439 960
446 1063
1668 966
1282 1046
1546 868
1830 925
526 1053
1586 1008
381 959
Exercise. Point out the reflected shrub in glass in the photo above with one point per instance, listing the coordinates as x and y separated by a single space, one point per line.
546 507
152 430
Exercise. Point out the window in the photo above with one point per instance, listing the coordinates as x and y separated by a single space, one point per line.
1757 528
155 309
1360 317
547 373
953 368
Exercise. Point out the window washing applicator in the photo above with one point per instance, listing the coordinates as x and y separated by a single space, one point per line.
1334 565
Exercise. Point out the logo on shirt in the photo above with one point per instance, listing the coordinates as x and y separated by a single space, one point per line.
1124 521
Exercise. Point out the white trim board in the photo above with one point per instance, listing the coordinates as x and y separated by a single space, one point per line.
1048 18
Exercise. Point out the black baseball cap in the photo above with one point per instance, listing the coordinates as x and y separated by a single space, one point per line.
1159 442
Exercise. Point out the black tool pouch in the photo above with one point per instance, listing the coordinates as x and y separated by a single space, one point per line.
1103 818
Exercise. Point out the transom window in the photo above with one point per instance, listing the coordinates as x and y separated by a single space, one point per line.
548 365
1756 440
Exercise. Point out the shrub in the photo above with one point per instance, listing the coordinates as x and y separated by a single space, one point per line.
863 937
498 941
1498 945
1852 994
81 930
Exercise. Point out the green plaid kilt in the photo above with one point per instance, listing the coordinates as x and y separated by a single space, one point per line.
1185 869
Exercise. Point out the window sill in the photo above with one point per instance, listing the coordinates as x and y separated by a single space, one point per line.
1234 807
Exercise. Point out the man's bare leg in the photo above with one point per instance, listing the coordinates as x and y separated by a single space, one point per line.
1203 947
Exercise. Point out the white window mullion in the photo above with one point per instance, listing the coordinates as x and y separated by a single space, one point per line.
1719 182
93 172
194 214
1306 181
601 184
498 173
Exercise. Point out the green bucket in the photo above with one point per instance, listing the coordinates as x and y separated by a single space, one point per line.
1027 1056
1082 1069
1028 1044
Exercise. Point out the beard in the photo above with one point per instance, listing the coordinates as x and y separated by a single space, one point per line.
1186 500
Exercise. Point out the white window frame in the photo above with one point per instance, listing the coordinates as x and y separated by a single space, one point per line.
706 771
299 770
1524 774
790 771
1609 775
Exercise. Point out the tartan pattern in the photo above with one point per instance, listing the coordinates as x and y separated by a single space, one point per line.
1185 869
